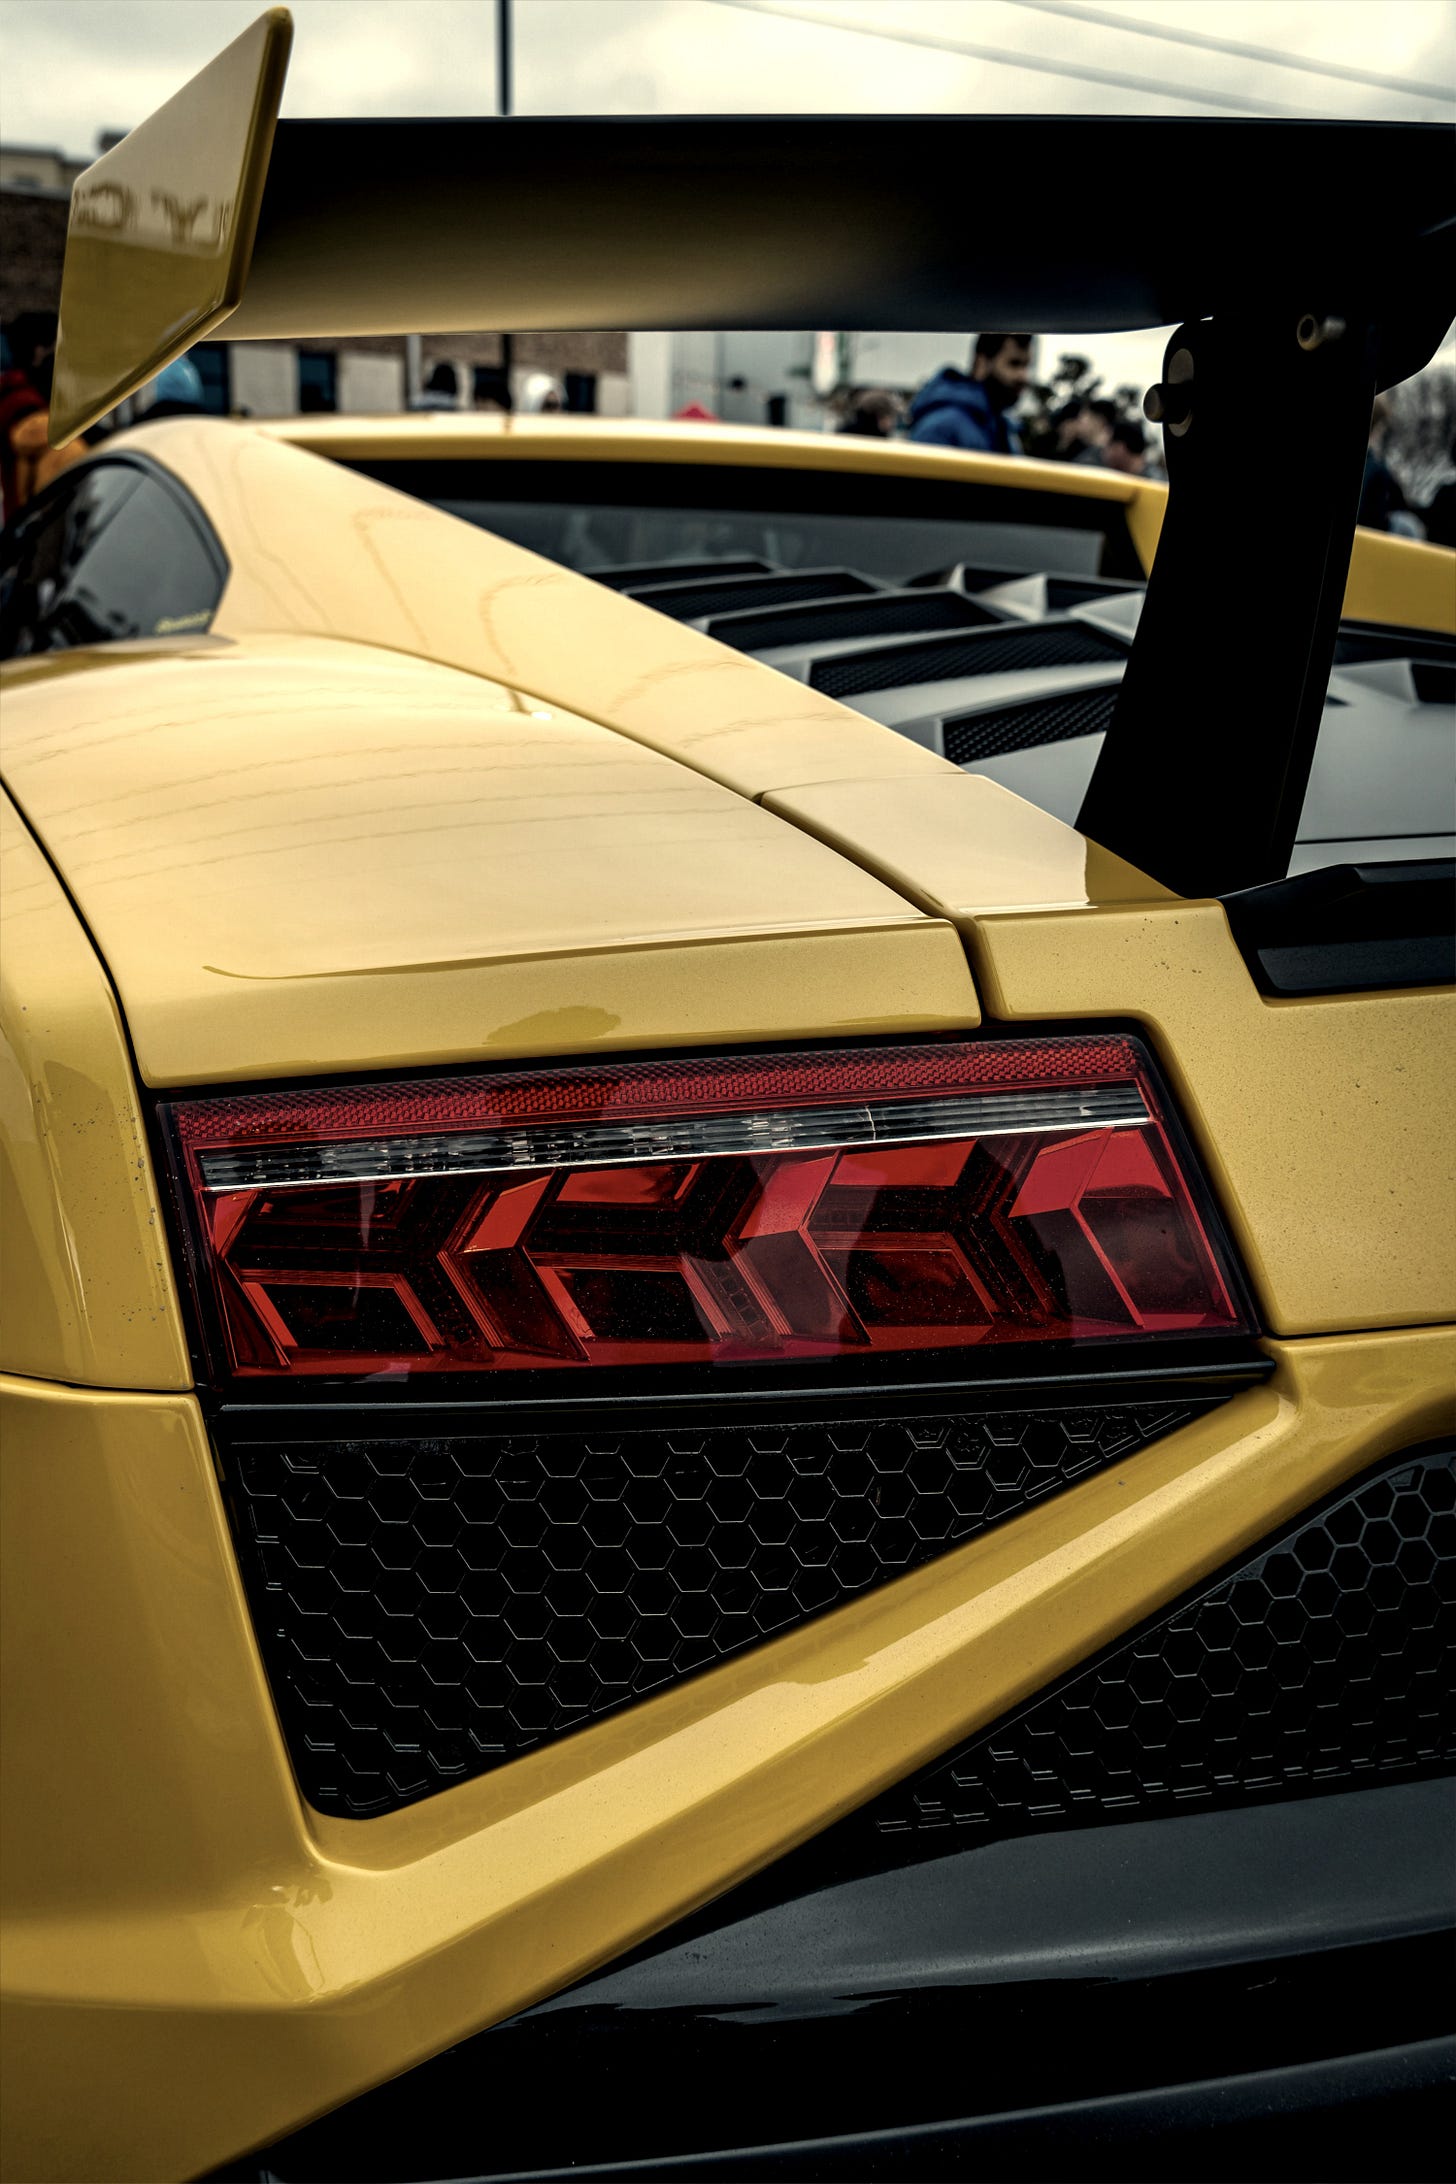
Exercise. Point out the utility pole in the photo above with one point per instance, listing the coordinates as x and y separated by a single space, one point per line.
503 109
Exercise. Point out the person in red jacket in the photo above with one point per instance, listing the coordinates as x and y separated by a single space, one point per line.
27 460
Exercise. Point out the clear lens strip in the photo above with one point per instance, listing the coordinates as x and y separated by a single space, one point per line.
689 1137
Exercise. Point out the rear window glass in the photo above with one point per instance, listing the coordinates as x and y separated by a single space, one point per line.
601 515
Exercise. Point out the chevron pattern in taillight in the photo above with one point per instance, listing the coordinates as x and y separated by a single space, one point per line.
844 1203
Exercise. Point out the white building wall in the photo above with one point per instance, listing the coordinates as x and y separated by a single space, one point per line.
649 375
905 361
265 378
369 383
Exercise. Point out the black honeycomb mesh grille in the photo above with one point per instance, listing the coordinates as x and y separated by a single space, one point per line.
982 652
689 602
430 1608
1324 1661
1024 727
880 614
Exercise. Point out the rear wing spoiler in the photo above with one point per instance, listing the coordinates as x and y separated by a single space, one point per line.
1311 263
214 210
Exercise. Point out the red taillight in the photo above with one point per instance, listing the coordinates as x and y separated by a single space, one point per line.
769 1208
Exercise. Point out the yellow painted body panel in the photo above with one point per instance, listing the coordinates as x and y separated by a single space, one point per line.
299 856
161 228
86 1291
444 435
1324 1124
1393 580
317 550
1401 580
216 1939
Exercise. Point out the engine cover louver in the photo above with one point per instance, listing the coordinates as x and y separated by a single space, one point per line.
843 621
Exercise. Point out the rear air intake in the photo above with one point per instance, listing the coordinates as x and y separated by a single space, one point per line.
852 1203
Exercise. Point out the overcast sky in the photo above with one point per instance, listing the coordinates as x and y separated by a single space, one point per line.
70 68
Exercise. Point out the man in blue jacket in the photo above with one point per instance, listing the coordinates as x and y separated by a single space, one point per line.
958 410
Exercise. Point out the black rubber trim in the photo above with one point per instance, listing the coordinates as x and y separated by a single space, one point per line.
1200 1370
1350 928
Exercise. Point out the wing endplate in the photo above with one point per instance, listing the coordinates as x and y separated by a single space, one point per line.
162 227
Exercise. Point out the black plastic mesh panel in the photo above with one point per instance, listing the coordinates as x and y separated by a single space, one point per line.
429 1608
1004 651
881 614
1023 727
1324 1661
688 602
623 576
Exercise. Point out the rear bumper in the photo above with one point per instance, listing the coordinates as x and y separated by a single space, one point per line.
196 1964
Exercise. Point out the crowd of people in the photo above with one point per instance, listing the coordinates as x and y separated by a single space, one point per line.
997 407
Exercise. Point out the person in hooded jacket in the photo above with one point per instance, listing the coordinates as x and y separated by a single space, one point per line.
973 409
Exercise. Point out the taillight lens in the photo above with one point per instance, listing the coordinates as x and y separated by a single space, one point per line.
766 1208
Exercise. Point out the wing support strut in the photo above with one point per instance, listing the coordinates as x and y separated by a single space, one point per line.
1202 777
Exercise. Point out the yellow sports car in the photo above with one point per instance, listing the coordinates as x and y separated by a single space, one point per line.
729 1221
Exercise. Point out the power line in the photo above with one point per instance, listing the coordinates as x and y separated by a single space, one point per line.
1081 71
1105 18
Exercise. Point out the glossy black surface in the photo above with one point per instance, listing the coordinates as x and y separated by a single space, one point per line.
1223 813
1350 927
793 220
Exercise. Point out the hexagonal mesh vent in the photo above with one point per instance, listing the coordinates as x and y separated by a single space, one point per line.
429 1608
1328 1659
